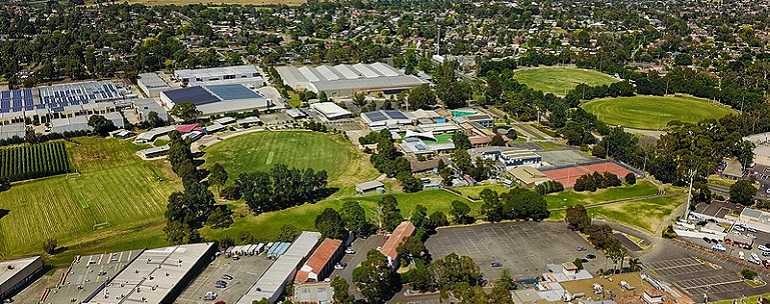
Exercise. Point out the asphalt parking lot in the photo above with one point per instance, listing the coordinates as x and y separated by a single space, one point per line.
698 274
361 246
524 248
245 271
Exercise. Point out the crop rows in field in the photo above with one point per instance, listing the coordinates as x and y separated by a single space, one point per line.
34 161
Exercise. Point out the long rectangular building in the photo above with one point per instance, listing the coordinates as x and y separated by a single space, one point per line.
156 276
344 80
273 282
16 274
239 74
219 99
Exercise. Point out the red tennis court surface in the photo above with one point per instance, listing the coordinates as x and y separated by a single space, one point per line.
568 176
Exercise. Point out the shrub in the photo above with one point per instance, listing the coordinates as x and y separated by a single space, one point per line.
232 192
748 274
630 178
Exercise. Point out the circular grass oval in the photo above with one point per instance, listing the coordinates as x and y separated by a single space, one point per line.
653 112
560 80
259 151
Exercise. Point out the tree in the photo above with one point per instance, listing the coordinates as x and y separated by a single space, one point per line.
179 233
220 217
525 204
411 249
390 215
491 207
611 180
330 224
630 178
419 216
50 245
497 140
454 269
460 212
616 253
437 219
323 98
5 184
422 97
101 125
409 182
186 111
374 278
577 218
748 274
341 291
217 175
154 121
742 192
420 277
288 233
359 99
461 141
354 217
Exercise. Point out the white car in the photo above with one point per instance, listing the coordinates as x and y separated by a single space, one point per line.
718 247
739 228
763 248
350 251
741 255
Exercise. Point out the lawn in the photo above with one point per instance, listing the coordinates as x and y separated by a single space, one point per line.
267 226
115 193
569 198
630 205
560 80
473 192
654 112
301 149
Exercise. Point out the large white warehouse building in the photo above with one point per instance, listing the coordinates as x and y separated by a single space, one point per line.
344 80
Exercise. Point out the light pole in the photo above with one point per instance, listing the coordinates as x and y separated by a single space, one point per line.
689 195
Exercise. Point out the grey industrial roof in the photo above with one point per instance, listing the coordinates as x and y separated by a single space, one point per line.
8 269
152 81
273 280
215 72
330 109
152 276
87 273
370 185
348 77
11 130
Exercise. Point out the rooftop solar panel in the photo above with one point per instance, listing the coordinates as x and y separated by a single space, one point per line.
327 73
232 92
395 114
5 94
346 71
195 95
383 69
375 116
305 71
368 73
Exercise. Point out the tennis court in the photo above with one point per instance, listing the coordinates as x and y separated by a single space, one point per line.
568 176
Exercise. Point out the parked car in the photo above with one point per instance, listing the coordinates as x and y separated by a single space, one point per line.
495 264
763 248
339 266
739 228
350 251
718 247
580 248
590 256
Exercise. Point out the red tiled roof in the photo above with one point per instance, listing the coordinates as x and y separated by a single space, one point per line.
188 128
399 235
320 258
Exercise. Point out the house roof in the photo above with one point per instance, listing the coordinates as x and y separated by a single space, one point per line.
399 235
188 128
322 255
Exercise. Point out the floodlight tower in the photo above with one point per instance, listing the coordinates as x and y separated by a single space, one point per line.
691 173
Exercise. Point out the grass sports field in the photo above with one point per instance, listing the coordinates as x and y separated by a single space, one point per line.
653 112
301 149
114 193
560 80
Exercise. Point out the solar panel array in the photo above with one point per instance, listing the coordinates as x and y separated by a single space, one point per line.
376 116
382 115
201 95
56 97
395 114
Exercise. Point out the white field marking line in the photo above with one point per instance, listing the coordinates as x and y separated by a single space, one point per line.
714 284
675 265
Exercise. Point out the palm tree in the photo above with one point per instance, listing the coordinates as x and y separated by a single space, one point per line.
634 264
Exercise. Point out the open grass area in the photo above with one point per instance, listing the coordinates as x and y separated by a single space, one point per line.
560 80
473 192
267 226
114 192
240 2
300 149
636 206
654 112
569 198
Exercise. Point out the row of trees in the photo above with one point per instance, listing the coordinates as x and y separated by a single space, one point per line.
518 203
190 209
601 236
281 187
593 181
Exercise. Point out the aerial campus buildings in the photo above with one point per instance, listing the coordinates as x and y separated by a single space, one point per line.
219 99
344 80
